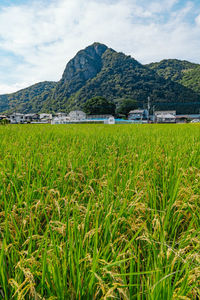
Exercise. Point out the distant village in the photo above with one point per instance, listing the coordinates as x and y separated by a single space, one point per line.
78 116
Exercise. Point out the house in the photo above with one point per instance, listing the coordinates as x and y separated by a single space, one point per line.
182 119
193 117
168 116
77 115
60 119
3 117
29 118
16 118
138 114
45 118
60 114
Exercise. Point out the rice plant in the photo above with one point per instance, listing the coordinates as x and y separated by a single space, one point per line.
100 212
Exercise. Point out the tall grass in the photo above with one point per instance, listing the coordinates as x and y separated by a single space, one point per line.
100 212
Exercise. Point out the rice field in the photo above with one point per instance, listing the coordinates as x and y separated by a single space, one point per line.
100 212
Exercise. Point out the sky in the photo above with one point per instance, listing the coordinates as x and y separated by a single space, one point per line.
39 37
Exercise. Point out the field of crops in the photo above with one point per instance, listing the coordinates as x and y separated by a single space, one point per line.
100 212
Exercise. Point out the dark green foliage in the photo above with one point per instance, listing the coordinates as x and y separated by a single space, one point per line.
4 103
99 105
172 69
185 73
191 79
4 122
125 106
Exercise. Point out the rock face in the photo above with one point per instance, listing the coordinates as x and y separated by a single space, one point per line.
86 64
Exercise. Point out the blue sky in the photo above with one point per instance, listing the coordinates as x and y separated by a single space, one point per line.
37 38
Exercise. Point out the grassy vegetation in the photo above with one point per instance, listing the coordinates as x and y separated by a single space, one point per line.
100 212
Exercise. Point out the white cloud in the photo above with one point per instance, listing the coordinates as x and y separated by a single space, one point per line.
45 35
197 20
9 88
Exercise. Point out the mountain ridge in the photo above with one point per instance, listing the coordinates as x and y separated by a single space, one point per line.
101 71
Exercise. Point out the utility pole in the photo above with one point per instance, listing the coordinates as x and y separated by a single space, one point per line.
154 107
148 108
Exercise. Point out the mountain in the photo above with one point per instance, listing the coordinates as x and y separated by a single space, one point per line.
173 69
183 72
122 76
191 79
100 71
27 100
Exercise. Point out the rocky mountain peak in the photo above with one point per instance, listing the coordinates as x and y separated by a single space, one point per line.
86 63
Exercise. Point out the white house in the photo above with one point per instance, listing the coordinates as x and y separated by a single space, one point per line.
45 118
60 120
16 118
60 114
77 115
168 116
28 118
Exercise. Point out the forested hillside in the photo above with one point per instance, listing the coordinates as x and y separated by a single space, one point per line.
27 100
